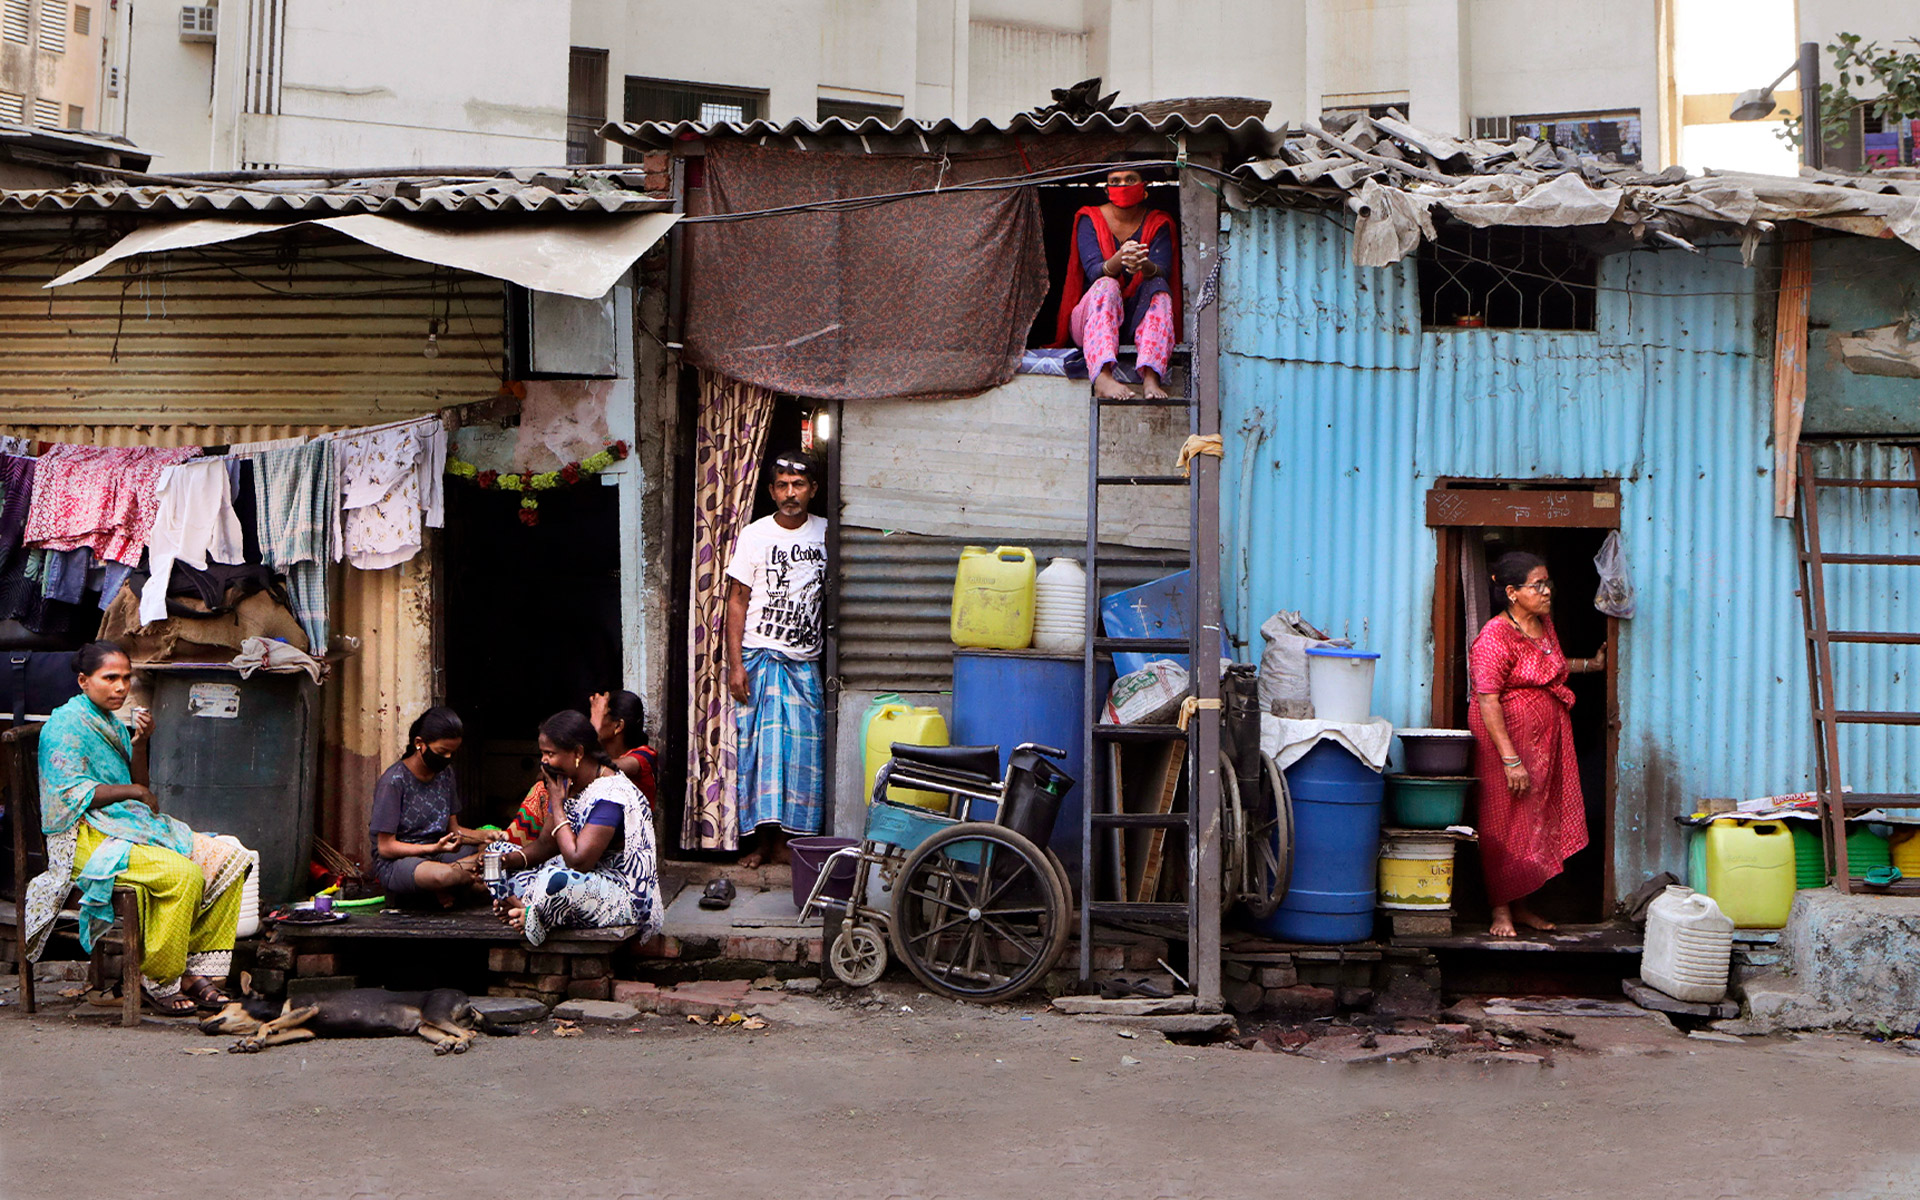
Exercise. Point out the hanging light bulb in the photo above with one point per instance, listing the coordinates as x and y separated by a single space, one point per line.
432 348
823 424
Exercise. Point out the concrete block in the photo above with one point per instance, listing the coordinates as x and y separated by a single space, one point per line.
1242 995
659 946
508 1010
550 983
1278 976
641 995
590 989
588 966
507 960
1653 999
1855 955
1130 1007
316 964
274 956
763 949
1168 1022
595 1012
547 964
1302 1002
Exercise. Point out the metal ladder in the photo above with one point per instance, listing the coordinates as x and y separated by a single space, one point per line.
1827 716
1198 828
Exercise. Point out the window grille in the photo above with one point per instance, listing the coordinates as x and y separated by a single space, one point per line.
15 19
82 19
1507 278
672 100
586 104
854 111
13 108
53 26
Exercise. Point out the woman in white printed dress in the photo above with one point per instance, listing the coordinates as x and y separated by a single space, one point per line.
594 864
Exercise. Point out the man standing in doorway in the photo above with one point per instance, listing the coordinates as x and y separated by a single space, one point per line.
778 572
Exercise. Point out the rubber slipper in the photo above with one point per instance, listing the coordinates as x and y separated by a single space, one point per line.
175 1005
1882 877
719 893
1149 990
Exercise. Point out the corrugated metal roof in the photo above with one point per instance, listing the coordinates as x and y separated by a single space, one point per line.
585 192
1327 465
661 135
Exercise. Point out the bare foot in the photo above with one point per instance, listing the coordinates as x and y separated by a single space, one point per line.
1502 921
751 859
512 912
1106 387
1150 385
781 855
1532 920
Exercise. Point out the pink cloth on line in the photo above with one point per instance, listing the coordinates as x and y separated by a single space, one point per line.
1095 326
101 497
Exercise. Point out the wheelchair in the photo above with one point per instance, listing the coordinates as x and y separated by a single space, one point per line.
969 897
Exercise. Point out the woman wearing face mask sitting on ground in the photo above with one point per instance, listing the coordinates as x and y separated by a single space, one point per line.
419 847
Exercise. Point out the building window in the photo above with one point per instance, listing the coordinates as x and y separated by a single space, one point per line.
76 117
672 101
854 111
1606 133
15 19
586 104
53 26
46 113
1366 104
82 19
1507 278
13 108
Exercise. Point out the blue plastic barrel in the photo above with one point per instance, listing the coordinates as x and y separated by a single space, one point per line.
1336 849
1006 697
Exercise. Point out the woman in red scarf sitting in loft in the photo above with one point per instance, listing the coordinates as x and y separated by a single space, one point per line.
1121 286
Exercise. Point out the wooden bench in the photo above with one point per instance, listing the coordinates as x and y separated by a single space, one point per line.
571 963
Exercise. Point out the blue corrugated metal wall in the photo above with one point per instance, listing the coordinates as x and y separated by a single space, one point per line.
1341 413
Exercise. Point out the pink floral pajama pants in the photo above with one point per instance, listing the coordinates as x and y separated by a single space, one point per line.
1096 328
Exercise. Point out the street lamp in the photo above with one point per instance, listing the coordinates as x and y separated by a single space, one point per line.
1758 103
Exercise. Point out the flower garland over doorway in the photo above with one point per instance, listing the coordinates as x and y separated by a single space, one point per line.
527 484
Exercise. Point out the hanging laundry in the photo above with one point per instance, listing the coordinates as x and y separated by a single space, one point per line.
65 579
195 521
16 445
296 495
391 488
16 497
99 497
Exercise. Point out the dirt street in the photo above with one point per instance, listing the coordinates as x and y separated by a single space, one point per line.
911 1096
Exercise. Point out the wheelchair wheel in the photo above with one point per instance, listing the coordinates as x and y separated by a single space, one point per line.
979 913
858 956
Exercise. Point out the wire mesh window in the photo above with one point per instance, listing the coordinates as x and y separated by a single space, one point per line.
854 111
672 100
1505 278
586 104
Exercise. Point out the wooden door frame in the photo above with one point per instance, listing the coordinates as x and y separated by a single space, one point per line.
1455 505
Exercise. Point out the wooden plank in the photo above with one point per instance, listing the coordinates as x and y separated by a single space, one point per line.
1523 509
1164 780
468 927
1116 838
1790 361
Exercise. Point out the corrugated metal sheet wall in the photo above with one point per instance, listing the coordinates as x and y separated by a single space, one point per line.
1341 413
896 602
307 330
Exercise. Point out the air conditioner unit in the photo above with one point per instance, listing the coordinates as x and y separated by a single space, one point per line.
1497 129
113 81
197 23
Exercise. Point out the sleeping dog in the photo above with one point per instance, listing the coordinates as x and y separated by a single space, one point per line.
443 1016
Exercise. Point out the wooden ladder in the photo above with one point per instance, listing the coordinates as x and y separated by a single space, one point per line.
1835 800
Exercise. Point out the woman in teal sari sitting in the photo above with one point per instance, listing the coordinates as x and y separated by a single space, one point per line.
104 827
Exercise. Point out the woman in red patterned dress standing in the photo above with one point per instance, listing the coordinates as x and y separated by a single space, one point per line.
1532 817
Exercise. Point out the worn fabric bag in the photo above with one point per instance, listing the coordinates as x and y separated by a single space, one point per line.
1615 597
35 682
1149 696
1283 665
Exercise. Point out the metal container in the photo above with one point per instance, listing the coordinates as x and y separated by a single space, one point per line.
238 756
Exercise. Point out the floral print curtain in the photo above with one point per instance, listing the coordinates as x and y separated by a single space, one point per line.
728 443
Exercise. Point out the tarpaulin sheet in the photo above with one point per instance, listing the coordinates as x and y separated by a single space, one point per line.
929 296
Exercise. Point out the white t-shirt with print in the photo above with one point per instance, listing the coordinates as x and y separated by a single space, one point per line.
786 570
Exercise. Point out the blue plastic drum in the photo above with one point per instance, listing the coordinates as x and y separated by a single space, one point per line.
1336 849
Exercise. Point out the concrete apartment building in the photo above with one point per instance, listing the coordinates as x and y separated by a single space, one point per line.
54 58
250 84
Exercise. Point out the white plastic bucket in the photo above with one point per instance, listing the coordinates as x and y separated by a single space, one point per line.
1340 683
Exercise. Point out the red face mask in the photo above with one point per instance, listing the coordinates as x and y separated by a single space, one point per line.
1128 195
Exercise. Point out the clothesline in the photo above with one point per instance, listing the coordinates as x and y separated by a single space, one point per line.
74 518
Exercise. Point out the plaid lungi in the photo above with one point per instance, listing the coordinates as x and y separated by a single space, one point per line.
779 744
